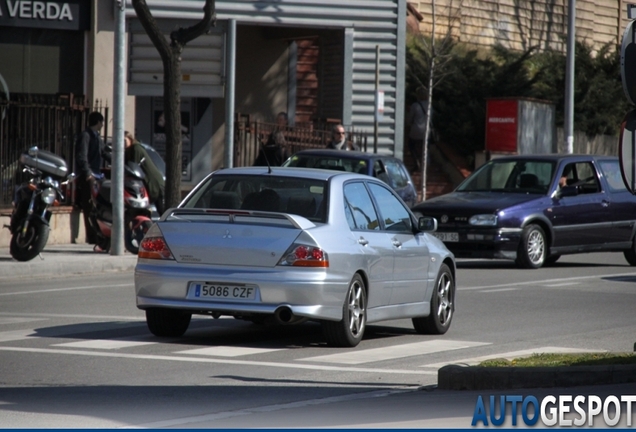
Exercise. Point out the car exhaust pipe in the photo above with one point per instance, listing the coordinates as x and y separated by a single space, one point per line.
284 315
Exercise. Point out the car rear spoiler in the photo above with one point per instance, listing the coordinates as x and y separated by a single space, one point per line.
236 216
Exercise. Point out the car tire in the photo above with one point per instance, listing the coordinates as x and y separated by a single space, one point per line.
167 322
349 331
532 252
630 254
442 305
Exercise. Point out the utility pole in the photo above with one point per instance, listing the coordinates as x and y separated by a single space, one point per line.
568 129
117 163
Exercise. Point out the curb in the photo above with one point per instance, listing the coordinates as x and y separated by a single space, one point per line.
455 377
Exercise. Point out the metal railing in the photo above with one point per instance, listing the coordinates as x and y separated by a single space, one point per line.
49 122
250 135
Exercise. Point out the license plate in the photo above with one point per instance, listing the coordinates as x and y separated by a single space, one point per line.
447 236
214 290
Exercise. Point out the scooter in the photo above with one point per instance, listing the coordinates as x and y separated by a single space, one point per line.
137 209
30 218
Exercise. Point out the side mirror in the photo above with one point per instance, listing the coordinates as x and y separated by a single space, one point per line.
427 224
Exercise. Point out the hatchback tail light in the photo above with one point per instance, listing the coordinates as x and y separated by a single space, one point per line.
300 255
154 248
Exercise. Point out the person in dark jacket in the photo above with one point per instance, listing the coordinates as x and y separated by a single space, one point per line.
274 151
88 164
153 181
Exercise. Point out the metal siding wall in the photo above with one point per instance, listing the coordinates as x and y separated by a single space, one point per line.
374 22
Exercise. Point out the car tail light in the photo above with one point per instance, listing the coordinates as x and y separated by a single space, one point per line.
154 248
299 255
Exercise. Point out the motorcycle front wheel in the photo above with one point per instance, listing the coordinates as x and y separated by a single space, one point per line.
28 246
133 237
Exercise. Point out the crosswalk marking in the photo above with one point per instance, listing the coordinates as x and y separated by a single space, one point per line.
512 355
393 352
16 335
106 344
16 320
228 351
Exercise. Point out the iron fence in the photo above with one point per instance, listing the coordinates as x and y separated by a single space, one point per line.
49 122
250 135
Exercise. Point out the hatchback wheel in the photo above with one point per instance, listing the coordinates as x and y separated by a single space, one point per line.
630 254
349 331
442 305
167 322
532 248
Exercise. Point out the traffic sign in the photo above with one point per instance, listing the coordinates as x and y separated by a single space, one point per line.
628 62
627 150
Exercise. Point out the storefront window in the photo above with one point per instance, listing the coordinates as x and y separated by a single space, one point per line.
40 61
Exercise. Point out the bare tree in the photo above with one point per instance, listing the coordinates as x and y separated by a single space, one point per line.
170 52
434 55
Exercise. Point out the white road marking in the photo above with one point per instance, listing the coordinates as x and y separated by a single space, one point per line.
233 362
513 355
562 284
16 320
228 351
500 290
393 352
265 409
107 344
16 335
66 289
544 282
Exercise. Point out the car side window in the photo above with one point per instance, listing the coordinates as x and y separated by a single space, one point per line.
612 173
379 171
587 180
359 209
398 179
395 216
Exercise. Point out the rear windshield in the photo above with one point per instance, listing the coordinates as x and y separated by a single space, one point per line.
522 176
303 197
355 165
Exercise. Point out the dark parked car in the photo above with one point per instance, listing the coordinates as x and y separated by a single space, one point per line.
387 168
533 209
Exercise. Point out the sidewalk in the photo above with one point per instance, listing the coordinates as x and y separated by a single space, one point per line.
64 260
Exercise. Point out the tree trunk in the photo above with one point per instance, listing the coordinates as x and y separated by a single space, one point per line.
171 58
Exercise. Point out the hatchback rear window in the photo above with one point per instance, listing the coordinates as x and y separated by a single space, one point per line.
303 197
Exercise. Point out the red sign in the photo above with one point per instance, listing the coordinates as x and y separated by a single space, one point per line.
501 126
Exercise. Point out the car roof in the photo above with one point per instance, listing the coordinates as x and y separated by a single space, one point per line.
554 157
342 154
305 173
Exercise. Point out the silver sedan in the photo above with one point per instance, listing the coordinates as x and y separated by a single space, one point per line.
289 245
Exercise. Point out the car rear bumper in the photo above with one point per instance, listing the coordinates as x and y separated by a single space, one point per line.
309 293
485 243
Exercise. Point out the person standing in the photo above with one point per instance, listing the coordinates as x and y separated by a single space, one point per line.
154 182
88 165
339 139
417 120
274 151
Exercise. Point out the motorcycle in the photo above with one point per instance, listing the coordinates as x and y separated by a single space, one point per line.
29 224
137 209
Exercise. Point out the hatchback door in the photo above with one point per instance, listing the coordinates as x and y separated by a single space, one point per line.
227 239
411 252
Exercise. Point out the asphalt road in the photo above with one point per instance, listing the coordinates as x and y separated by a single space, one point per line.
75 352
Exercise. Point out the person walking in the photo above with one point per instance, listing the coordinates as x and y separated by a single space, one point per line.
154 182
88 164
417 120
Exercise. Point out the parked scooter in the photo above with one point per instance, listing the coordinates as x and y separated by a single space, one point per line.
31 216
137 209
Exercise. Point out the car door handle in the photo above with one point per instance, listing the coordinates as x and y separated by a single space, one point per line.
605 203
363 241
397 243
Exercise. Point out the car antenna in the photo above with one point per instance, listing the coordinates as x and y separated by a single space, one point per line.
269 167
